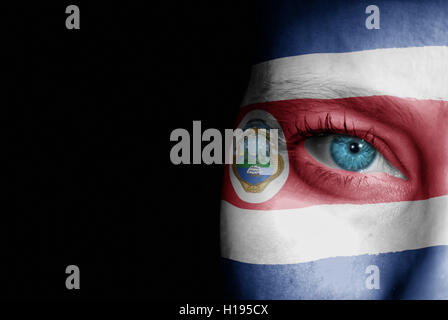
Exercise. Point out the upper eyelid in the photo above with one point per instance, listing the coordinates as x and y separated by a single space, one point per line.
327 126
385 109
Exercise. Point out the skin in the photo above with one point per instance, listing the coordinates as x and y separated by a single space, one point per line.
411 134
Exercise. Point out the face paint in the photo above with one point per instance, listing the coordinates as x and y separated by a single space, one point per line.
254 183
316 236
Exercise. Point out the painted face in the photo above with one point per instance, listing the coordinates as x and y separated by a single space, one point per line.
355 205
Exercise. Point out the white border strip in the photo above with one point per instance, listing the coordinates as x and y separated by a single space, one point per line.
418 72
312 233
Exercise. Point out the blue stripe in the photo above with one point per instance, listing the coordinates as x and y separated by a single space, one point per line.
413 274
292 27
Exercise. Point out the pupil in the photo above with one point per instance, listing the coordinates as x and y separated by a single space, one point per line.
354 147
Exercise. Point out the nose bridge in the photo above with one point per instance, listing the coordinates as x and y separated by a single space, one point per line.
427 276
433 143
426 273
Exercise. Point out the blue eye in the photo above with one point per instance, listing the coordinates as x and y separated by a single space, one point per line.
352 154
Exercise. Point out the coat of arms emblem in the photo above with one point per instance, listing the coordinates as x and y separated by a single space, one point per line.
256 160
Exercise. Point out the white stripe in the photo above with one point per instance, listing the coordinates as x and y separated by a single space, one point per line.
312 233
420 73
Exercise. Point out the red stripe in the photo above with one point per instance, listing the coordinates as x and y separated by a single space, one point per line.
411 134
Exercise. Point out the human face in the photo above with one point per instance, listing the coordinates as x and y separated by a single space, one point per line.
357 208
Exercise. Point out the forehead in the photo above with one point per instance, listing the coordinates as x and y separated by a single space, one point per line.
323 50
294 27
420 73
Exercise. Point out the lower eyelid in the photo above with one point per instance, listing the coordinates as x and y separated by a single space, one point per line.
319 175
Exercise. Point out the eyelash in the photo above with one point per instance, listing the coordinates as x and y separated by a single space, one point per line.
327 127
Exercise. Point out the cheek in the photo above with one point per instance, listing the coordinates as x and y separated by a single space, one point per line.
323 252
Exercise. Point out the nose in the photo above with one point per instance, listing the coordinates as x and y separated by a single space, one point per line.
428 274
432 141
428 278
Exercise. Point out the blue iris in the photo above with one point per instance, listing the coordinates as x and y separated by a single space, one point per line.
352 154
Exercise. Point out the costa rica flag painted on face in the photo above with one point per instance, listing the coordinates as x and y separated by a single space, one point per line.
357 206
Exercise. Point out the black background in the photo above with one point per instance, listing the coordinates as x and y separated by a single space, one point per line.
87 126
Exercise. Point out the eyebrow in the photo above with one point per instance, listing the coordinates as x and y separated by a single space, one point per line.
353 96
387 108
